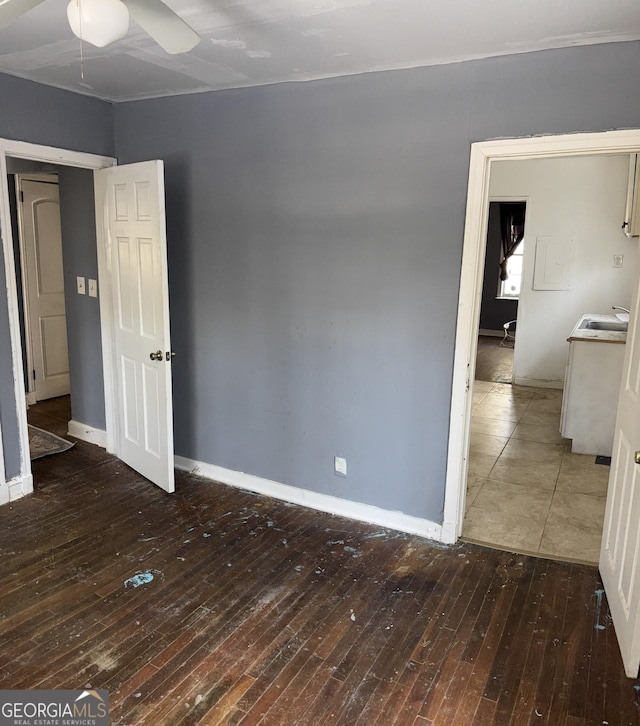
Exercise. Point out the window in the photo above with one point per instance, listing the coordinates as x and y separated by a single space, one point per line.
510 288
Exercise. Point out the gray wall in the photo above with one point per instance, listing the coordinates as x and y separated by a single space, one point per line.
494 313
39 114
315 238
44 115
77 216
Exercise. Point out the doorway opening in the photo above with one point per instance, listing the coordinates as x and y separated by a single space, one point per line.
484 162
45 284
502 283
34 198
528 488
75 171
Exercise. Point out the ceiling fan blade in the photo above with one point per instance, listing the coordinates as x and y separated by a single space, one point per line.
168 29
11 10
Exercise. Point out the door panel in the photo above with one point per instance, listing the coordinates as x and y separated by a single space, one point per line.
53 333
620 554
136 238
125 287
130 400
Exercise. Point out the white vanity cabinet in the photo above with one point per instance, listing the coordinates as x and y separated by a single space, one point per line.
591 389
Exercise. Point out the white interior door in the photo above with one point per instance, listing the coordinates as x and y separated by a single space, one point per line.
620 554
136 255
43 281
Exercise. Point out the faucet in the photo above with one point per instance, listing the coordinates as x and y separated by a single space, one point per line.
617 307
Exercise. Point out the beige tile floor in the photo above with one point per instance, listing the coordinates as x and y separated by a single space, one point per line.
526 491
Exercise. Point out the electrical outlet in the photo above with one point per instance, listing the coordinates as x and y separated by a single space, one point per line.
93 288
339 466
618 260
80 281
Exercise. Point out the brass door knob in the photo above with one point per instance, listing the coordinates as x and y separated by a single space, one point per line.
637 457
156 356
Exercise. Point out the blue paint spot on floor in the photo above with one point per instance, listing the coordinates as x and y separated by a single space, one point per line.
140 578
598 594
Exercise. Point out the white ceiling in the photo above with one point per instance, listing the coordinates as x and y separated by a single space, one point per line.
255 42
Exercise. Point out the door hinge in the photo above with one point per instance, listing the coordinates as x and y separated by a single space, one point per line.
21 196
34 374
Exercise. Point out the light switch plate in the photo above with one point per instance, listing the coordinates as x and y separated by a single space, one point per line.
93 288
339 466
80 281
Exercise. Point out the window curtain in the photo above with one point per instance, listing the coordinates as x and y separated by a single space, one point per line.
511 231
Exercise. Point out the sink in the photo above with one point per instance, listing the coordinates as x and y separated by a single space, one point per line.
598 326
613 326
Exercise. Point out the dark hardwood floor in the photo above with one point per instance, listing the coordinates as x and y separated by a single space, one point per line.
494 362
264 613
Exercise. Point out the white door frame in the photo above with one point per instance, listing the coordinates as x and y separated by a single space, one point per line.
23 483
473 253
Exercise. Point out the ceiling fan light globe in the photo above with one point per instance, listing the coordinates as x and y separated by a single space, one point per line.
98 22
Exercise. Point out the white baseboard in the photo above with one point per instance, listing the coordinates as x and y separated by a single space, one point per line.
538 383
88 433
31 399
322 502
20 486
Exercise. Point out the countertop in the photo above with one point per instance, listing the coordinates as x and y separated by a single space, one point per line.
597 336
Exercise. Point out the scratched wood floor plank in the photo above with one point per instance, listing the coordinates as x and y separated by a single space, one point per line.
541 587
269 614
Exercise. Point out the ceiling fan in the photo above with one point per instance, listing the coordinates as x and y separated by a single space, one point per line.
101 22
